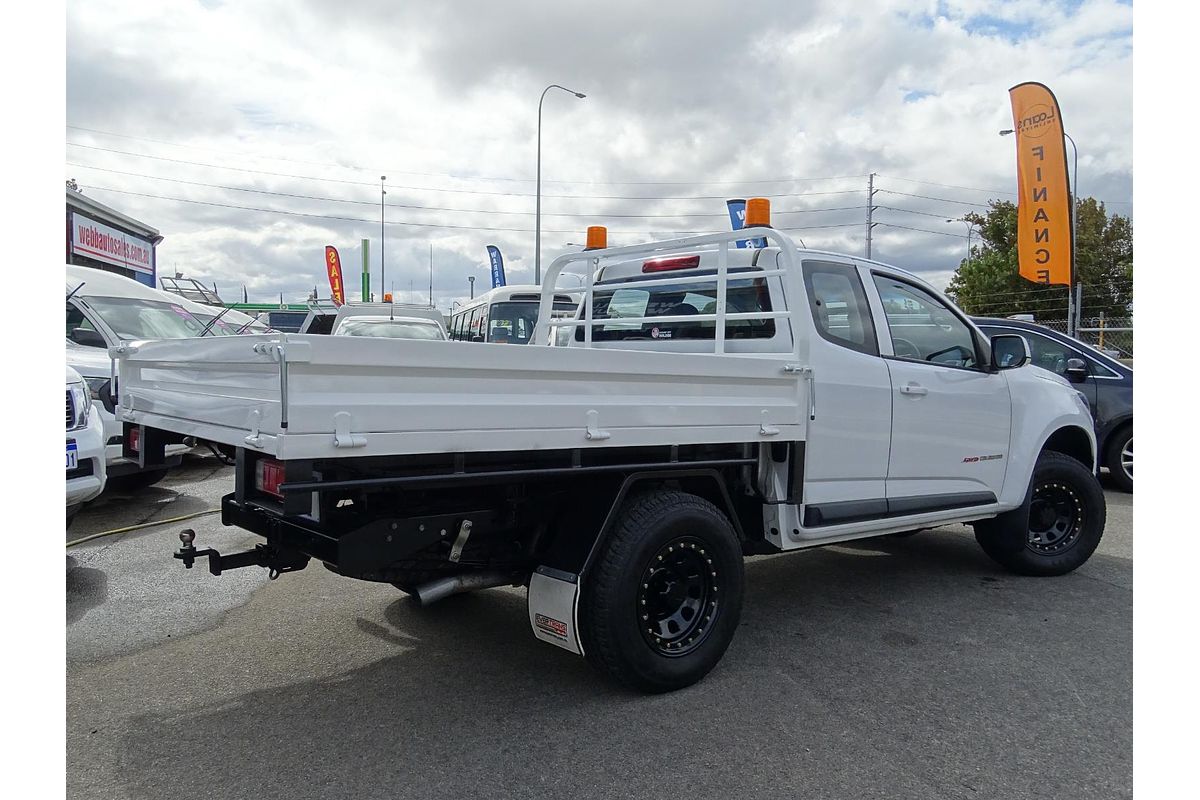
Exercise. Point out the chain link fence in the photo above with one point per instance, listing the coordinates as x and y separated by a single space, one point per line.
1111 335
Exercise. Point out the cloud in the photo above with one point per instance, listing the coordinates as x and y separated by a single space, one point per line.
299 107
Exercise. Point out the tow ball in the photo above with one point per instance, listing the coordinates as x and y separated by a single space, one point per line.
275 559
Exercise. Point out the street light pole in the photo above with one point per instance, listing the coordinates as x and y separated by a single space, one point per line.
382 235
471 278
970 227
537 224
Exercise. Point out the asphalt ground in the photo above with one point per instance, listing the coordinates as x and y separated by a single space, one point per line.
890 668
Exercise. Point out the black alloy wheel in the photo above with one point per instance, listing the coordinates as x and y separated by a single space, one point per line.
679 597
1056 517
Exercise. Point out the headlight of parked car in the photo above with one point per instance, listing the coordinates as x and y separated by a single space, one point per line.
81 400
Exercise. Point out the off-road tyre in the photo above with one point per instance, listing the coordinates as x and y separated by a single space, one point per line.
1056 529
662 600
1114 452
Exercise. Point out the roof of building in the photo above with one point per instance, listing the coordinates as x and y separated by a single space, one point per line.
110 215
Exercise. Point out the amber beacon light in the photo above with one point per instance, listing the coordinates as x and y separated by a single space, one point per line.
597 237
758 212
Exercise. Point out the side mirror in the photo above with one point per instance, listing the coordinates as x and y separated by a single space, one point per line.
1077 371
88 337
1009 351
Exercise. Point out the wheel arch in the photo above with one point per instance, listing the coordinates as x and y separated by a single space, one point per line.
1073 441
708 484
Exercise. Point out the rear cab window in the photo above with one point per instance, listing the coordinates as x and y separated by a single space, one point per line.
839 305
743 295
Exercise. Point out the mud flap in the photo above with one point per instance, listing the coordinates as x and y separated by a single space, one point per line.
553 605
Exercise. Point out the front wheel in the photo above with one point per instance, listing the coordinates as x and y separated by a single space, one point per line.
1056 529
663 600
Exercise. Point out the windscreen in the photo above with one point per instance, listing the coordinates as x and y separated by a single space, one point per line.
133 318
743 295
390 329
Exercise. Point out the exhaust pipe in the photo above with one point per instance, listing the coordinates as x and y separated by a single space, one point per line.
428 593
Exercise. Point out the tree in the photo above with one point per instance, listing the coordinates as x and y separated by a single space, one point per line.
989 284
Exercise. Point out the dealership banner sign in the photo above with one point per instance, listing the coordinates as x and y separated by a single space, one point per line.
333 266
101 242
1043 187
497 262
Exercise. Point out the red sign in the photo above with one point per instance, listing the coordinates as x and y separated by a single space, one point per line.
333 266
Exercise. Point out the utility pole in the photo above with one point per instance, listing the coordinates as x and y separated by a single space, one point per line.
431 274
382 236
471 278
871 190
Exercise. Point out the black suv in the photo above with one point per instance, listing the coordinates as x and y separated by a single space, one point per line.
1107 383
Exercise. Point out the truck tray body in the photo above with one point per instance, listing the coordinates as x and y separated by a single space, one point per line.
296 396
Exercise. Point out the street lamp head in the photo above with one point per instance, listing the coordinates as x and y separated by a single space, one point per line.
383 177
580 95
1006 132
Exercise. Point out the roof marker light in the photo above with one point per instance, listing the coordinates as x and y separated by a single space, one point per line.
758 212
597 237
668 264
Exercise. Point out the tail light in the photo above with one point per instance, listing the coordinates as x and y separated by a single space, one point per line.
268 475
135 439
668 264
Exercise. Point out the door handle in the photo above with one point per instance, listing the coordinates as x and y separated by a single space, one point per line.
914 389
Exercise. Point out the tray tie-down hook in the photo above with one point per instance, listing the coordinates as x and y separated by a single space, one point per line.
274 559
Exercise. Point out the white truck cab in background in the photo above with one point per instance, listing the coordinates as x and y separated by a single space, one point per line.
712 403
103 310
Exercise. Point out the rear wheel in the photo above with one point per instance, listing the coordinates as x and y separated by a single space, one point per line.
1118 457
1056 529
663 600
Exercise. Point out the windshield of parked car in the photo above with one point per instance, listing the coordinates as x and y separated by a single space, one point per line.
390 329
136 318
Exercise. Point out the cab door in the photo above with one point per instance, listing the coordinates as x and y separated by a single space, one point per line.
951 417
846 455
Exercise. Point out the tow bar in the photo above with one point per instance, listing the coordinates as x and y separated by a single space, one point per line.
272 558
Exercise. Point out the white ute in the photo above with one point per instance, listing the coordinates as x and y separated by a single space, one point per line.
714 402
85 446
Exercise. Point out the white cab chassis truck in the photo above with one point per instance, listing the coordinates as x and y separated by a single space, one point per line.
713 402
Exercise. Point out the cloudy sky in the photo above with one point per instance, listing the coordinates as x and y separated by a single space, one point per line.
254 133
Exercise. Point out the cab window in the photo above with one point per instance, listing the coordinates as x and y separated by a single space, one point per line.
923 328
839 305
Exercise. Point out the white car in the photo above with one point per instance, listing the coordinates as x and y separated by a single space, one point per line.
86 471
104 310
391 328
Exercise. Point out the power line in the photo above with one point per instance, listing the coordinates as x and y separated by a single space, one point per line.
373 203
989 191
464 177
942 199
415 224
921 230
373 184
